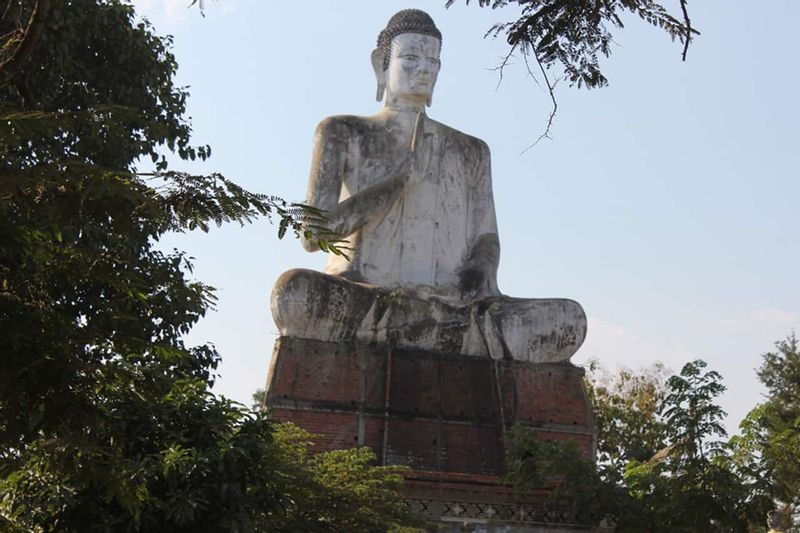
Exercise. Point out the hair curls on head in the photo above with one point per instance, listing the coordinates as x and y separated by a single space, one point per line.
405 21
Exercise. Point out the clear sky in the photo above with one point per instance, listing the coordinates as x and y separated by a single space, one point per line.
667 203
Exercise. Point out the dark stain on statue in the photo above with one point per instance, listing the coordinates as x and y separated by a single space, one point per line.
471 280
568 337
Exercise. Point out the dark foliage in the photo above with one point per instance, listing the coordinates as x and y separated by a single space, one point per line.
575 33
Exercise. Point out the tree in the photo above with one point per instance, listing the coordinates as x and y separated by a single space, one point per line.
258 398
688 485
107 421
568 478
81 279
338 490
662 466
691 416
767 452
626 411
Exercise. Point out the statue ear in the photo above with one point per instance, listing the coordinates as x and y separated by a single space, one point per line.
380 74
430 100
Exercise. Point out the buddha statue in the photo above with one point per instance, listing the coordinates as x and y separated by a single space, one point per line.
413 197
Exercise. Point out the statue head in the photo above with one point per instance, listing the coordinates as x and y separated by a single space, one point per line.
406 60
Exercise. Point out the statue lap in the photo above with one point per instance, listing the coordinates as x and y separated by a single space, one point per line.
317 306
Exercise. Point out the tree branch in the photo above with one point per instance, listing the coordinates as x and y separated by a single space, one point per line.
502 66
12 67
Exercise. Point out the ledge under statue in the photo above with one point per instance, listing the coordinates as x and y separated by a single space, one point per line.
414 199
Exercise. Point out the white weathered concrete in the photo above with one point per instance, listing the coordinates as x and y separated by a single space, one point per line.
414 199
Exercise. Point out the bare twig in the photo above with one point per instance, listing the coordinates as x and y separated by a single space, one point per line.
551 90
688 28
501 67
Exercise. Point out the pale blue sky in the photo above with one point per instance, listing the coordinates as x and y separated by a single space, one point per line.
667 203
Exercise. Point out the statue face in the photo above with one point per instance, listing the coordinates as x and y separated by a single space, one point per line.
413 67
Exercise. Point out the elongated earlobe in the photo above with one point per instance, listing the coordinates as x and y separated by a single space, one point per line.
430 100
380 74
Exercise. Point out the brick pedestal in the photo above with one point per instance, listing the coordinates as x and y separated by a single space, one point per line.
443 415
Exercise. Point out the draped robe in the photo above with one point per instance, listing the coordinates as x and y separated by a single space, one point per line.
403 282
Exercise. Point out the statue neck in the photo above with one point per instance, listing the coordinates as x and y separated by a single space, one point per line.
401 119
404 107
401 102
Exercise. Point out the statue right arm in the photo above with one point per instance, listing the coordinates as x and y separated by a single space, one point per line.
328 163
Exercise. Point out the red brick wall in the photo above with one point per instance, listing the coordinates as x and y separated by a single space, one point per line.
440 412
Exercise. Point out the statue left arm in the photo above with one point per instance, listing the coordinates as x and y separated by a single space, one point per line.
478 275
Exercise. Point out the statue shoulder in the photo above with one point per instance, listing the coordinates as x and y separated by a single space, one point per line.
468 143
343 126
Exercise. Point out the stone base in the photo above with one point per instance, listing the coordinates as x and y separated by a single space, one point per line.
443 415
463 502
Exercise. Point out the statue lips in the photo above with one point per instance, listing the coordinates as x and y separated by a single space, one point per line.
420 86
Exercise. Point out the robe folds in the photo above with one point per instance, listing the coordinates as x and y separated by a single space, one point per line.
426 235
